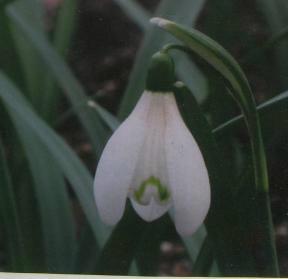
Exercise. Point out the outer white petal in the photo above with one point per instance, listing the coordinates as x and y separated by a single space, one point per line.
117 164
188 175
150 212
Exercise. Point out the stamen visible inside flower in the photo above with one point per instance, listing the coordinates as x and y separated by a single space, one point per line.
152 187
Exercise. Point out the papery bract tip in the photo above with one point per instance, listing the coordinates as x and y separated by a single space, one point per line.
161 22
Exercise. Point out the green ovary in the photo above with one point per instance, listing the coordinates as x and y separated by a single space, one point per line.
152 181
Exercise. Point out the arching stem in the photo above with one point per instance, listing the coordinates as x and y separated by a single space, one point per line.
256 209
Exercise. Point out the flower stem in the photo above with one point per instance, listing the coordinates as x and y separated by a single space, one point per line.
259 210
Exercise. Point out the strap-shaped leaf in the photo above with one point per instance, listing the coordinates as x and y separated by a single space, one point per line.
120 249
73 169
61 72
9 219
53 202
222 221
276 105
64 27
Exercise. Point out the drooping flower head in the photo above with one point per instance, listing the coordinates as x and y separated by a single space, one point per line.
153 160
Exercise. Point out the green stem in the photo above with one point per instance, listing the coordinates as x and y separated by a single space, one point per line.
217 57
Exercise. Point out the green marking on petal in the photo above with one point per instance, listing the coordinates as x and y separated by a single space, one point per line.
152 181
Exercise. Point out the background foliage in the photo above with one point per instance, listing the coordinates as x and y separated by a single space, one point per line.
58 56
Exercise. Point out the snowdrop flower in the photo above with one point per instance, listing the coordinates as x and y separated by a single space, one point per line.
153 160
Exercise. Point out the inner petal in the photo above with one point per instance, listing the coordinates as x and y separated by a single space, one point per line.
150 212
152 188
150 181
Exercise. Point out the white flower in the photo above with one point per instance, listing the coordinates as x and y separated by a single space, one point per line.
153 159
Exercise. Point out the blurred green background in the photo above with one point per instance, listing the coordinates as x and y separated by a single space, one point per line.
55 56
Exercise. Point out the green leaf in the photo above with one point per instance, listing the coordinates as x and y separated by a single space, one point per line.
88 251
185 67
222 62
109 119
10 61
274 108
10 219
184 11
119 251
51 192
31 64
148 251
133 271
75 172
66 80
57 222
222 222
194 243
64 27
203 264
30 220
